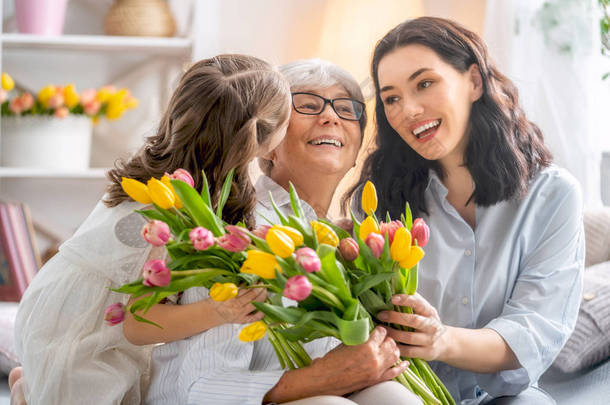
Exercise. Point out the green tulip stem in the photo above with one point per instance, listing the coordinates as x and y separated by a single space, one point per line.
328 297
176 273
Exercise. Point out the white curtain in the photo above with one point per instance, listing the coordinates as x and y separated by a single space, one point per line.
551 51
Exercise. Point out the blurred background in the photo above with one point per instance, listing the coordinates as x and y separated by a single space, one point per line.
551 49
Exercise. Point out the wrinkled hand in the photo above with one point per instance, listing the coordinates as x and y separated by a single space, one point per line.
350 368
428 341
240 308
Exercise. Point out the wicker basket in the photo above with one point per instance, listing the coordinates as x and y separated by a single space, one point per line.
145 18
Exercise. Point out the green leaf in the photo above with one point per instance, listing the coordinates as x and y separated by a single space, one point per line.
199 211
370 281
332 272
224 193
279 313
374 303
279 213
408 216
295 202
353 332
205 190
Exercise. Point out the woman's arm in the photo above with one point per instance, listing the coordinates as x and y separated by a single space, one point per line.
478 350
341 371
182 321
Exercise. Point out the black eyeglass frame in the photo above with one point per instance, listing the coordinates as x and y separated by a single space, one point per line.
332 104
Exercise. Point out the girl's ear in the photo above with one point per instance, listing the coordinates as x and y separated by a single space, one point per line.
476 82
269 155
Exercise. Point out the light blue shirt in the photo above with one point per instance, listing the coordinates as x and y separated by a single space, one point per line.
519 272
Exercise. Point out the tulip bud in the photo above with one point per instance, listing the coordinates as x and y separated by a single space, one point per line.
297 288
87 96
279 243
3 95
177 201
324 233
252 332
56 101
368 226
45 94
420 232
231 243
375 242
261 263
7 82
369 198
183 175
92 108
401 246
136 190
114 314
415 255
261 231
201 238
292 233
308 259
156 232
27 101
71 96
156 273
15 105
389 228
160 194
61 112
223 291
238 231
349 249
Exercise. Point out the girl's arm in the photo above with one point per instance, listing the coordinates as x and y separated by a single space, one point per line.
182 321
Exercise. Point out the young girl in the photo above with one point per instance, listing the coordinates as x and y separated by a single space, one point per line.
226 111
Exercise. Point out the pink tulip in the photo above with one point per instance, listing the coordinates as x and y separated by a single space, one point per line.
156 232
420 232
3 95
156 273
61 112
88 96
56 100
184 175
92 108
308 259
239 232
389 228
114 314
297 288
349 249
233 243
15 105
27 101
201 238
261 231
375 242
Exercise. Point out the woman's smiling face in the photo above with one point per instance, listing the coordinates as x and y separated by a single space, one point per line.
427 101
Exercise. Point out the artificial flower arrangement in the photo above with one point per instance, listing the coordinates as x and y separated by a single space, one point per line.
338 283
61 101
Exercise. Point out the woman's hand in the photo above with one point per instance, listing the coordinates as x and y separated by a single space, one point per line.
240 308
342 370
429 340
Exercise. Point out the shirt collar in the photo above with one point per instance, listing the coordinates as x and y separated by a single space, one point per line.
435 184
265 185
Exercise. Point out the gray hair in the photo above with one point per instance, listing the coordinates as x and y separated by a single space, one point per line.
311 74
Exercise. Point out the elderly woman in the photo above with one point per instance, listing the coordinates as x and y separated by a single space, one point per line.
321 144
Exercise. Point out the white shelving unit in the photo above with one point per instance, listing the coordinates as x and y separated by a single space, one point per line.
60 200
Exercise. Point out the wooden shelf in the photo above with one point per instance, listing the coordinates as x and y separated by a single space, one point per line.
151 45
20 172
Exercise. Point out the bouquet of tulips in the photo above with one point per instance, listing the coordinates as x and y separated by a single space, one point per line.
61 101
337 284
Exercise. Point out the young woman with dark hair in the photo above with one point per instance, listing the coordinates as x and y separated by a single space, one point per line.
501 281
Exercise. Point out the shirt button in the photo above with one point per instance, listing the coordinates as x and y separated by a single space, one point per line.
467 252
588 296
465 300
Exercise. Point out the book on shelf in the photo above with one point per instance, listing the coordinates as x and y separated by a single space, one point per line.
19 258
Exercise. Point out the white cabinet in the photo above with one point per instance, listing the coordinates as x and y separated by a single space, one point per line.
148 67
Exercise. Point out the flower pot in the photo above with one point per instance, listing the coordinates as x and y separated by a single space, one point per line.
46 142
42 17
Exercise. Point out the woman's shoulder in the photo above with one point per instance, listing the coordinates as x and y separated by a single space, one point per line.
555 182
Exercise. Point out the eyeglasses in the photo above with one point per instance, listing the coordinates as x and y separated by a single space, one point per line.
312 104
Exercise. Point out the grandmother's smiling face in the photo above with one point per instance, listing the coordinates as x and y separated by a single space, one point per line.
323 143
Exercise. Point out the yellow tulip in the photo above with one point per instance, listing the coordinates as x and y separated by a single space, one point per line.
368 226
131 102
223 291
369 198
114 110
279 243
7 82
261 263
325 233
401 245
415 255
252 332
70 96
160 194
45 94
136 190
178 202
292 233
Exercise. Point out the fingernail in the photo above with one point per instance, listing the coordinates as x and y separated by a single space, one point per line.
397 299
383 316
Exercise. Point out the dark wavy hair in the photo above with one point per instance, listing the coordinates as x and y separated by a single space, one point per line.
504 149
223 109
